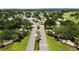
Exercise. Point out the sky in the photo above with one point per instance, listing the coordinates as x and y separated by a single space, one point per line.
39 4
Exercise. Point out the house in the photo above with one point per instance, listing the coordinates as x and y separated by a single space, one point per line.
32 19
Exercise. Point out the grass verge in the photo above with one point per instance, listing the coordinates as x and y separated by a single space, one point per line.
17 46
54 45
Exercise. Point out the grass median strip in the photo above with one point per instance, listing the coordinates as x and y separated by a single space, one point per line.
37 47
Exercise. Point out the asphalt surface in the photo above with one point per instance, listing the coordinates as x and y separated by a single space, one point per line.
31 43
43 41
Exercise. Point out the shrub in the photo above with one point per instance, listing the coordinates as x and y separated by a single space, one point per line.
72 15
14 36
6 34
24 33
37 39
50 33
37 32
19 38
38 27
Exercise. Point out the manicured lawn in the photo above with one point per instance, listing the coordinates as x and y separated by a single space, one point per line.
17 46
54 45
67 16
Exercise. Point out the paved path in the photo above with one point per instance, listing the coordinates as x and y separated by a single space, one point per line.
43 41
31 43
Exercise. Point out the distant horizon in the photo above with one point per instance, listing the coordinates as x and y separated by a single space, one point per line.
39 8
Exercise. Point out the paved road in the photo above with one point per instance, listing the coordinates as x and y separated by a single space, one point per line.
43 41
31 43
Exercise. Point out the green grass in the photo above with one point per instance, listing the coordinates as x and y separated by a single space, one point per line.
67 16
17 46
36 47
54 45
